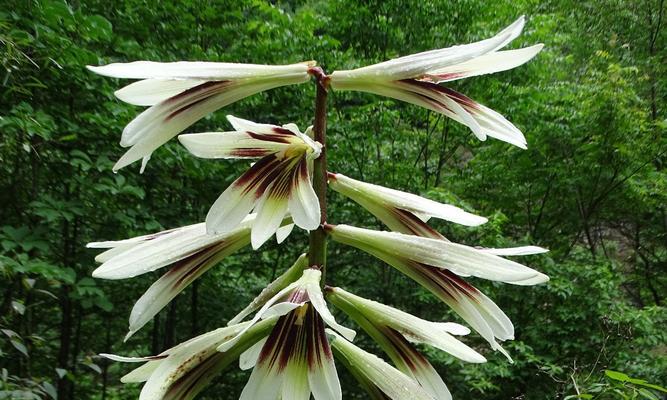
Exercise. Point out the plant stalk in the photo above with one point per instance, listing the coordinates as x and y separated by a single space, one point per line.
318 244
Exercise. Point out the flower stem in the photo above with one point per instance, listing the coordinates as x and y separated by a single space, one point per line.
318 244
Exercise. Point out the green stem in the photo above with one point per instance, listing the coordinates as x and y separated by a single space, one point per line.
317 254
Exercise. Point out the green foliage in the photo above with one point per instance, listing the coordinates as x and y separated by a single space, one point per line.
592 186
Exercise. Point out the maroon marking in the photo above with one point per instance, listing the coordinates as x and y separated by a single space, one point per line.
253 153
273 174
199 94
185 108
252 176
283 131
443 77
456 280
415 225
199 88
268 137
452 94
198 376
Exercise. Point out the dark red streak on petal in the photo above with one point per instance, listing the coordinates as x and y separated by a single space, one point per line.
202 87
268 137
250 153
283 131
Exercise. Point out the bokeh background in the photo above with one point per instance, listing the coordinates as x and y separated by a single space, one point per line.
592 186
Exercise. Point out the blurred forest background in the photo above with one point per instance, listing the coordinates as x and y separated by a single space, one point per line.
592 186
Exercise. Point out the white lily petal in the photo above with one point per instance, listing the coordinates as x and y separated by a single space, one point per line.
413 328
283 232
394 384
149 92
280 309
271 210
312 278
323 378
162 250
263 384
415 204
480 312
516 251
184 358
421 63
248 358
178 278
229 145
486 64
140 374
244 125
117 358
113 252
454 328
197 69
438 253
295 382
304 205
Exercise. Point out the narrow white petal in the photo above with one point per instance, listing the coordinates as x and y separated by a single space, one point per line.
283 232
295 381
303 202
454 328
430 380
184 358
177 279
323 379
271 210
486 64
197 69
228 145
244 125
419 64
418 205
458 258
516 251
156 253
537 280
241 196
280 309
117 358
264 384
140 374
248 358
311 279
149 92
413 328
395 384
113 252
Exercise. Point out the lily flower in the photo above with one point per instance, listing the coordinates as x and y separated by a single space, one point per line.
184 370
415 79
181 93
189 250
280 182
400 211
381 380
395 331
438 265
295 359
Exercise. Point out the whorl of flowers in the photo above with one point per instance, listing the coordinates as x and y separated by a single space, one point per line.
292 340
